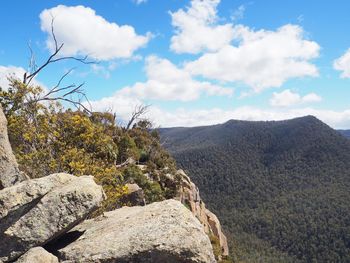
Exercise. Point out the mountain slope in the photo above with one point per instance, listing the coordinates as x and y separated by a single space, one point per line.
346 133
281 186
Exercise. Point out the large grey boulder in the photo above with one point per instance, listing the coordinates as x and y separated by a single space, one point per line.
160 232
36 211
24 196
9 172
37 255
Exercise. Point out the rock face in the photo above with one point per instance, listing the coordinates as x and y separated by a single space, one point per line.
160 232
36 211
37 255
9 172
189 195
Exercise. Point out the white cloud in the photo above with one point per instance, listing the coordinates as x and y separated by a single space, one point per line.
101 70
311 97
261 59
85 33
182 117
343 64
168 82
138 2
6 72
238 13
16 72
189 118
197 28
124 106
288 98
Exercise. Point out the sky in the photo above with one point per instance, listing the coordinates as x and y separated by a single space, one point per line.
195 62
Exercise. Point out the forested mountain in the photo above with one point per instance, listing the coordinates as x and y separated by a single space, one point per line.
280 188
346 133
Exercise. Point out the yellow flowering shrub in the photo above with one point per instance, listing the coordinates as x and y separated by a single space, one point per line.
48 139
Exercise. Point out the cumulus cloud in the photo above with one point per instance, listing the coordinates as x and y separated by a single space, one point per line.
10 71
343 64
261 59
197 28
288 98
188 118
16 72
83 32
182 117
124 106
168 82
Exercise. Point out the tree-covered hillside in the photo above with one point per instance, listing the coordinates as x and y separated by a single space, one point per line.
346 133
281 189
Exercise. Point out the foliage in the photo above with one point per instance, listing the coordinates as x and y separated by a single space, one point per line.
215 243
153 191
280 189
47 139
216 246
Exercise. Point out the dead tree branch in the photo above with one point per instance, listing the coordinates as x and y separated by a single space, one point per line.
55 93
137 113
29 76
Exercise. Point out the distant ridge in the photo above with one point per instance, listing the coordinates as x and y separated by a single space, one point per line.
280 188
345 133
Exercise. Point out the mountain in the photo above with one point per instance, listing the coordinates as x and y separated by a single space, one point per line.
346 133
280 188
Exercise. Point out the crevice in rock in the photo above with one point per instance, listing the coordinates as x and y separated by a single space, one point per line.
63 241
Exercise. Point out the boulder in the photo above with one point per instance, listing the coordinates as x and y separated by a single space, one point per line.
37 255
24 196
36 211
9 172
160 232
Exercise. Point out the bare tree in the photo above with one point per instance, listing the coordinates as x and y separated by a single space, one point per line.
71 93
137 113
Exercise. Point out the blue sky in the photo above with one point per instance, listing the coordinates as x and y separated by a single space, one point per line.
195 62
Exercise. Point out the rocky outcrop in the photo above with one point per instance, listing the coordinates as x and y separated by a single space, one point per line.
37 255
216 230
188 194
9 172
49 213
160 232
134 196
36 211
